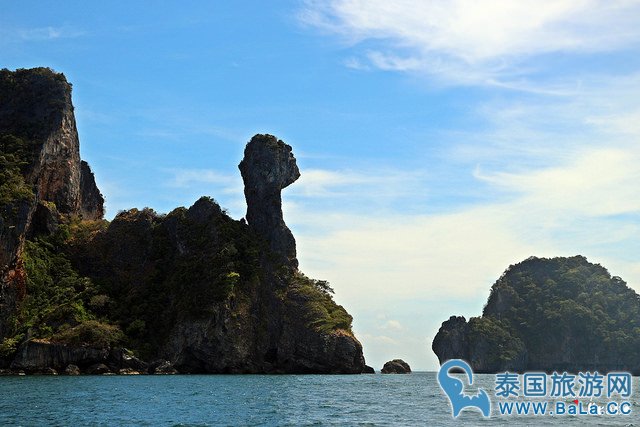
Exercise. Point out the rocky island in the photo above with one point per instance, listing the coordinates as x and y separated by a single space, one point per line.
191 291
396 366
559 314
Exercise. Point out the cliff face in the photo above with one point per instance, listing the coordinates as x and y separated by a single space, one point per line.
193 289
36 107
550 315
488 346
43 175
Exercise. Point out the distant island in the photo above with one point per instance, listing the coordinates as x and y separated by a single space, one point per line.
559 314
191 291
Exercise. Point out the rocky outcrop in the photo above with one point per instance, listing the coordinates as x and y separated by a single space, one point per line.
92 202
485 345
162 367
267 168
35 355
38 128
396 366
72 370
98 369
368 370
558 314
38 355
452 340
36 107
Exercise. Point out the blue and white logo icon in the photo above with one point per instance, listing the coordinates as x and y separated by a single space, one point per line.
454 389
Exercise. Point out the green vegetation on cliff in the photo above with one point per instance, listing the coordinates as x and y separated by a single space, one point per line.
130 281
568 303
495 339
322 313
550 314
14 158
59 304
159 269
147 272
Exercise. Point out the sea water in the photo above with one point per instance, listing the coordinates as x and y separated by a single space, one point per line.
256 400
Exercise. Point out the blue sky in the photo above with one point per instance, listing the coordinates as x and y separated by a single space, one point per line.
439 142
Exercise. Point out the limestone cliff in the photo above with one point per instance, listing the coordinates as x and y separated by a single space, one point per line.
549 315
43 175
203 291
35 106
192 290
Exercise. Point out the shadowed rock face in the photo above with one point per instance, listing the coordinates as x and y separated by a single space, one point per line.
40 355
452 342
92 206
267 168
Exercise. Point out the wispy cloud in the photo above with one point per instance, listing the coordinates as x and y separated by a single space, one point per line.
599 182
466 41
42 33
384 184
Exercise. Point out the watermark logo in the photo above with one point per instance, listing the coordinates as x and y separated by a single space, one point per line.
454 389
588 393
539 393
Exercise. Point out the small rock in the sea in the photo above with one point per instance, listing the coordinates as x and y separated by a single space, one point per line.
133 363
368 370
162 367
72 370
98 369
396 366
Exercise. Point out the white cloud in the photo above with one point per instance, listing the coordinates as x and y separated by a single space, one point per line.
392 325
10 35
380 339
47 33
388 62
404 257
469 41
387 184
355 64
599 182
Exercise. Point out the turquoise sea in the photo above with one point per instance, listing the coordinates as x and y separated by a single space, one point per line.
255 400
